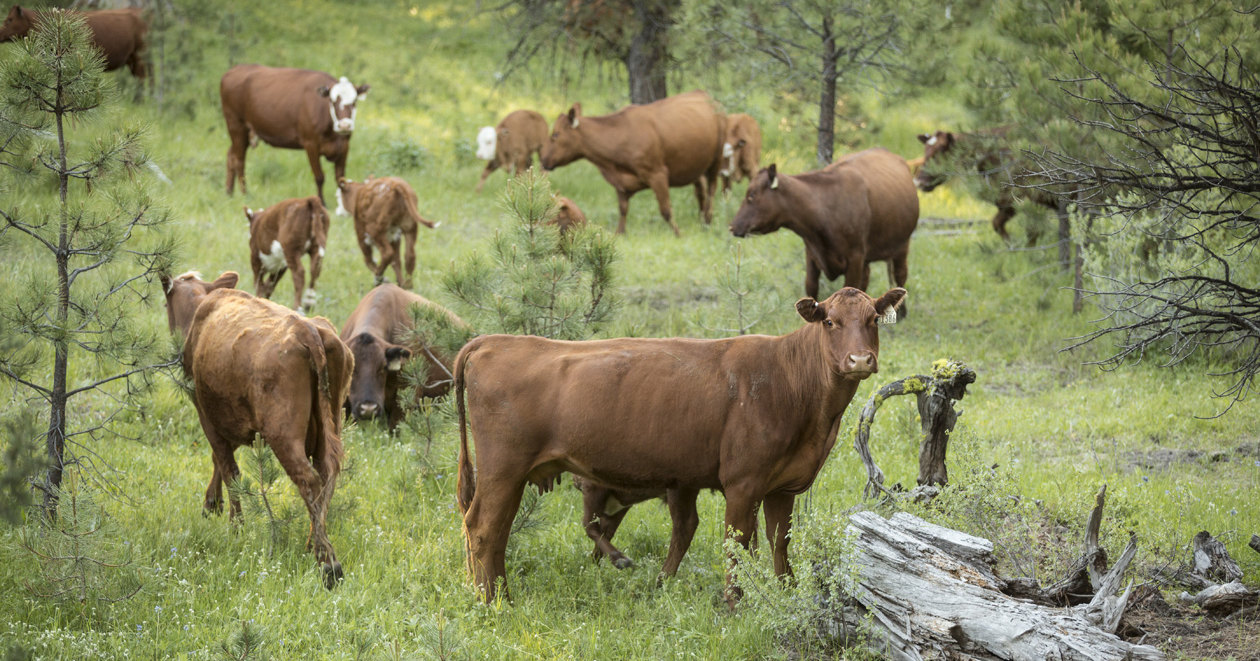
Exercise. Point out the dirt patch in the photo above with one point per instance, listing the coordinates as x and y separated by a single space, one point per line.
1188 634
1164 458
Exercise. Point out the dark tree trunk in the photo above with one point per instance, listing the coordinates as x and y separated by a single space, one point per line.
648 55
827 97
56 438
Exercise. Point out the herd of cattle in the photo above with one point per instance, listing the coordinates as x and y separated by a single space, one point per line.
753 417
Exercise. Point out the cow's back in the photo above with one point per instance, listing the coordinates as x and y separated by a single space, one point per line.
526 129
281 105
119 33
688 131
893 198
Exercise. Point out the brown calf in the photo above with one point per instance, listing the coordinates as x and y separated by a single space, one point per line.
385 215
568 215
741 153
278 237
753 416
512 144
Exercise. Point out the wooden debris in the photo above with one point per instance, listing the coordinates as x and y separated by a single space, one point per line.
1212 561
1222 599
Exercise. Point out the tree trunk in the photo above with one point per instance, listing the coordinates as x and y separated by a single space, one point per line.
648 55
56 438
827 96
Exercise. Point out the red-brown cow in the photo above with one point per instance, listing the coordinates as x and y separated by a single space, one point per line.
568 216
753 416
385 214
259 369
512 144
118 33
668 143
290 109
278 237
860 209
741 153
381 335
1004 179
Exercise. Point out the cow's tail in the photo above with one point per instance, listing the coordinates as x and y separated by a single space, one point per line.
466 486
319 221
409 202
322 414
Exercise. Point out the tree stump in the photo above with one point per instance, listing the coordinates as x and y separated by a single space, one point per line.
936 394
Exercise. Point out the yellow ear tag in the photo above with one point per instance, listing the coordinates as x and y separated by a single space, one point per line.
890 316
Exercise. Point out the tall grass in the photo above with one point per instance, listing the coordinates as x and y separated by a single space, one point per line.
1060 427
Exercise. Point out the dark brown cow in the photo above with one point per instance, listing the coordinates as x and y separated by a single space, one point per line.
377 334
1004 179
260 369
290 109
385 215
512 144
568 216
741 153
278 237
860 209
118 34
753 416
668 143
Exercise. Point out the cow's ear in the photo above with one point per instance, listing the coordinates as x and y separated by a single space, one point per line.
886 305
362 90
165 279
323 91
395 356
249 213
774 176
810 310
226 281
924 137
574 114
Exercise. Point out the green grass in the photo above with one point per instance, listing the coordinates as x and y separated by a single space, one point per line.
1059 427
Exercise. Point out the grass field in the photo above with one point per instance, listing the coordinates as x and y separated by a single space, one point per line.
1055 428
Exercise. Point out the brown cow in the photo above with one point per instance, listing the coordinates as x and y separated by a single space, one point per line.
290 109
752 416
377 334
185 292
117 33
512 144
1004 179
385 213
860 209
260 369
668 143
741 153
568 216
278 237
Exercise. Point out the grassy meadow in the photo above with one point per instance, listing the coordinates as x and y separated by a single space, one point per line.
1039 423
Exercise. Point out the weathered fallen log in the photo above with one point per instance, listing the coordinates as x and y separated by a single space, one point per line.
1222 599
928 592
1212 561
1254 543
936 395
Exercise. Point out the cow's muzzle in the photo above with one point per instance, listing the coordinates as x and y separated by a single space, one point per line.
860 365
366 410
344 127
928 184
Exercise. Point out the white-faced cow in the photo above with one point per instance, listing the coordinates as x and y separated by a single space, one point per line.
673 142
260 369
860 209
382 335
278 237
512 144
385 217
290 109
753 417
1005 180
118 33
741 152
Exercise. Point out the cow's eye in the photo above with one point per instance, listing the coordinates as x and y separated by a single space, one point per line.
827 322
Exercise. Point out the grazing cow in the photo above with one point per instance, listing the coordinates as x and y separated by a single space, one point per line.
385 213
260 369
668 143
117 33
278 237
860 209
377 333
752 416
1004 179
290 109
915 164
512 144
568 215
741 153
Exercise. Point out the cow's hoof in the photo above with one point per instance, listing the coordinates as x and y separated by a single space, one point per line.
332 574
622 562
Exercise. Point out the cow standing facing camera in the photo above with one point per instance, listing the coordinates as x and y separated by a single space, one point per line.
385 217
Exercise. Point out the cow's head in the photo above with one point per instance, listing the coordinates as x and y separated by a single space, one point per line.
847 324
487 138
346 191
565 143
184 294
376 367
934 147
16 24
341 99
765 207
